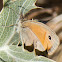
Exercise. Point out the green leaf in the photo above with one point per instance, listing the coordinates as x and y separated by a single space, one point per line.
25 5
17 54
9 51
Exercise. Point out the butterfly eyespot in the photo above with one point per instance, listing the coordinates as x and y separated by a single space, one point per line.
49 37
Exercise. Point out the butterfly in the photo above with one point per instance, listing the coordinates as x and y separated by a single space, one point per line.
39 35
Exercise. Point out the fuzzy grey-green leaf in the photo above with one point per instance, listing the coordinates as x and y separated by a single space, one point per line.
14 53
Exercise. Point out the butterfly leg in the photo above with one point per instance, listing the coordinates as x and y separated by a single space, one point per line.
19 42
22 41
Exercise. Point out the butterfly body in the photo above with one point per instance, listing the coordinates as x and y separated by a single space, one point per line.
38 34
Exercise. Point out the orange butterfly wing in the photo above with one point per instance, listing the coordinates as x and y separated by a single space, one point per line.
40 32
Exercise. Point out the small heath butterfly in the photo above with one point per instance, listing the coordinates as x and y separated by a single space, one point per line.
39 35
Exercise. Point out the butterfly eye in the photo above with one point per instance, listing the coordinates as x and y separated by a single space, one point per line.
49 37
